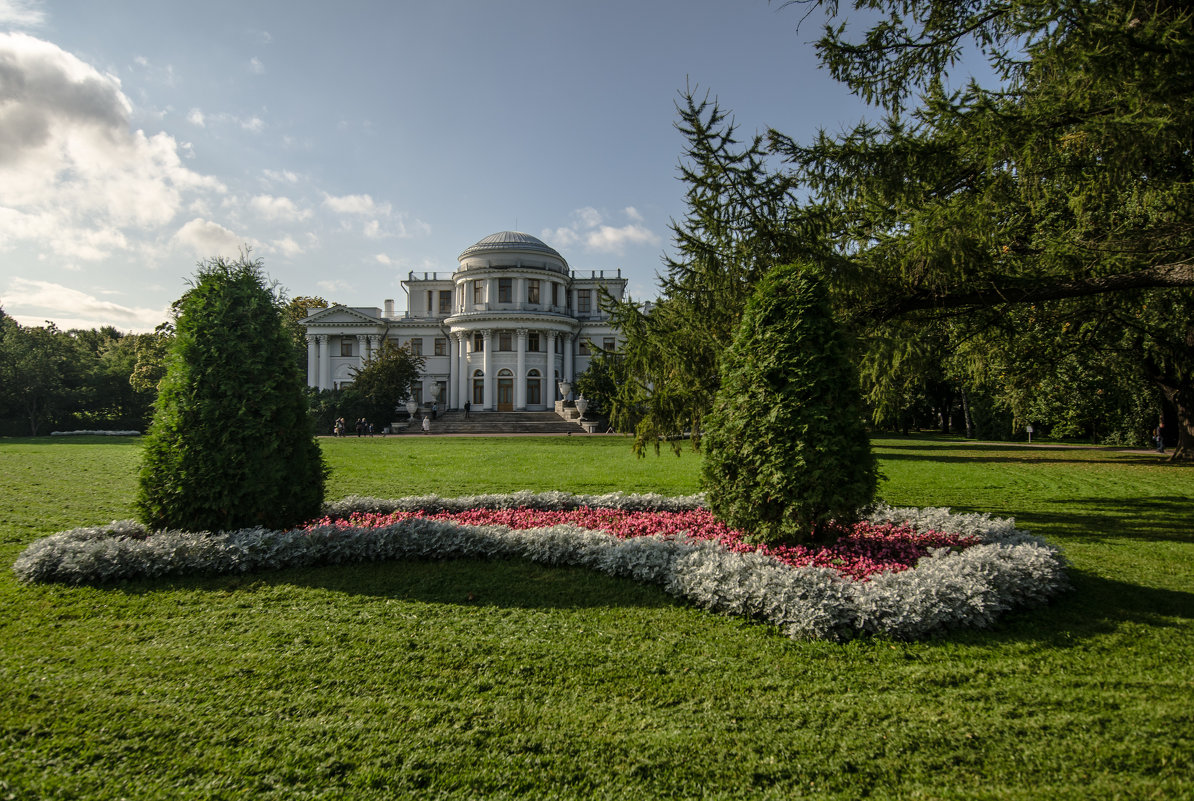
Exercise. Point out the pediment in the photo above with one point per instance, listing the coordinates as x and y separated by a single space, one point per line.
344 315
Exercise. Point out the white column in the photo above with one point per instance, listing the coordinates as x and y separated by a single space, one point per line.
453 376
460 352
520 292
312 361
575 307
487 361
566 375
491 298
550 372
520 375
362 350
325 364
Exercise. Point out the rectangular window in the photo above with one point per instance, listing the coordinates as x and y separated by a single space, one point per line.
445 301
532 291
416 346
505 289
345 346
555 294
533 342
441 346
505 340
583 347
584 301
478 292
478 343
608 344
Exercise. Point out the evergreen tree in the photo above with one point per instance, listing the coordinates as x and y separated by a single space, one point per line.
230 445
785 448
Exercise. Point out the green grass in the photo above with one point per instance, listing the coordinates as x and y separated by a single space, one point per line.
468 679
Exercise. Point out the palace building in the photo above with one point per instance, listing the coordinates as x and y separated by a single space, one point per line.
502 331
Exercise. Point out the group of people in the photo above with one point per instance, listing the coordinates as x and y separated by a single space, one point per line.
363 427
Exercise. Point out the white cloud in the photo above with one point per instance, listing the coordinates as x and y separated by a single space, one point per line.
281 176
287 247
355 204
278 209
382 258
74 178
195 117
208 239
588 229
31 302
256 67
607 239
253 124
22 13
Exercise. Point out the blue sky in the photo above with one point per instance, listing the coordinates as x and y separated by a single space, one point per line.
350 143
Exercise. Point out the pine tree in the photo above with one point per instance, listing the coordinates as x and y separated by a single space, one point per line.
230 445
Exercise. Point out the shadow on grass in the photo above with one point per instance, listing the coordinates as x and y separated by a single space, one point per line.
505 583
1095 607
1163 518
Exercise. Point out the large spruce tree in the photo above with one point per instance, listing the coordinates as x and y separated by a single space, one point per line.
230 445
785 447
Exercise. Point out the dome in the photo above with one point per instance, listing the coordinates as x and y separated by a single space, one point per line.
510 241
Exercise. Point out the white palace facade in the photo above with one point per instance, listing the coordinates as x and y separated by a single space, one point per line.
501 332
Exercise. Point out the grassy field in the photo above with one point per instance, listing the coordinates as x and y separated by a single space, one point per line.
466 679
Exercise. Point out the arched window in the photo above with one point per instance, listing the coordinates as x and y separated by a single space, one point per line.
505 374
479 388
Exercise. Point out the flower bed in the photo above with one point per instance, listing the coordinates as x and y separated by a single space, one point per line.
862 551
904 572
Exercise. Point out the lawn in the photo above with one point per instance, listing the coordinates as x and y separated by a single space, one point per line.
470 679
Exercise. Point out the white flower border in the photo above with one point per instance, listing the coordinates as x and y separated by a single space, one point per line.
948 589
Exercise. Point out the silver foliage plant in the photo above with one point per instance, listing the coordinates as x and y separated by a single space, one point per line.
948 589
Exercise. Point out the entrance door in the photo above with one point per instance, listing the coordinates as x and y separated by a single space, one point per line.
505 399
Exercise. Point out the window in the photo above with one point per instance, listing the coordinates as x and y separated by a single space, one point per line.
583 348
505 289
430 294
478 388
416 346
534 394
584 300
532 291
478 343
445 301
441 346
555 294
608 344
533 342
478 292
345 346
505 340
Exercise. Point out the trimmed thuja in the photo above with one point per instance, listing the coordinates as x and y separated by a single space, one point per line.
785 448
230 445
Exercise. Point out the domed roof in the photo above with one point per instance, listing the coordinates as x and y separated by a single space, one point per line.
509 241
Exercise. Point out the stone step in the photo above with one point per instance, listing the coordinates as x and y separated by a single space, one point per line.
480 423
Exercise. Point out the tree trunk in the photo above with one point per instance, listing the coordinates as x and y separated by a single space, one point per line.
1183 401
966 414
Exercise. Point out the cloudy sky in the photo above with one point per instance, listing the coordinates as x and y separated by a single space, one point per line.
349 143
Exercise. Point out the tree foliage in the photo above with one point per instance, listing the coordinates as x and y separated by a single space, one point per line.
230 445
736 228
384 382
972 223
786 450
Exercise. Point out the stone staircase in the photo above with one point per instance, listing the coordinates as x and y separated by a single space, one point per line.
482 423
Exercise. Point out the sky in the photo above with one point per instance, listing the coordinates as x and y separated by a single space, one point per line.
347 144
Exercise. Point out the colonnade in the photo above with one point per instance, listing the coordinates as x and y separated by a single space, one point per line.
319 362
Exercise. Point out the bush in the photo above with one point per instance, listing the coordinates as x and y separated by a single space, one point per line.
785 449
231 444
